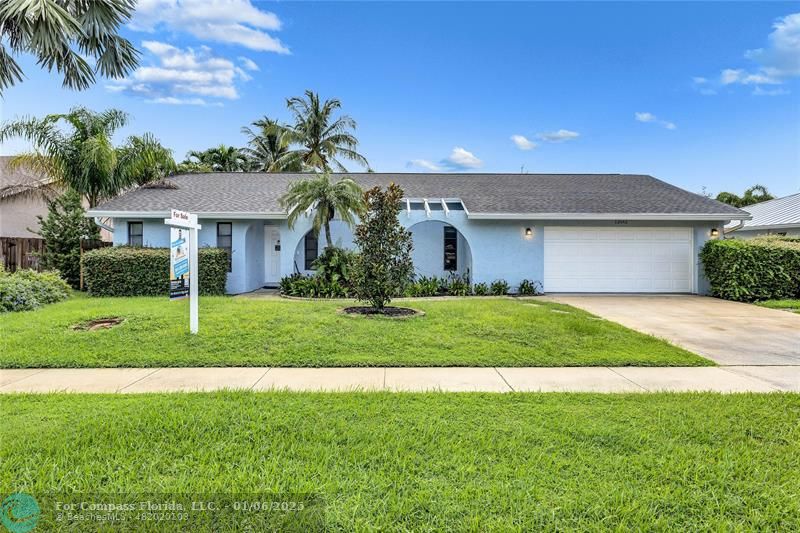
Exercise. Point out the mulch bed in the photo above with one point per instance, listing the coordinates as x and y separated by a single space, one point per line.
389 312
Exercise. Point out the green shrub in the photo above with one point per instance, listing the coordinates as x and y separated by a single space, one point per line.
529 287
135 271
25 290
458 285
312 287
334 266
480 289
499 287
756 269
62 230
424 286
383 268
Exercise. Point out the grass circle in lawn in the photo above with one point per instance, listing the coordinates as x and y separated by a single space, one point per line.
386 312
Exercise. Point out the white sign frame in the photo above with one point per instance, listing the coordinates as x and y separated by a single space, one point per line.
183 219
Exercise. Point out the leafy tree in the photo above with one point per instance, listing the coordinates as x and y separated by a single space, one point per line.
268 147
220 158
61 34
188 167
66 224
326 199
83 158
753 195
383 267
322 138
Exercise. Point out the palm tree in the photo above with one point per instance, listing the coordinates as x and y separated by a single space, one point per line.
323 140
268 147
60 34
753 195
327 199
220 158
83 158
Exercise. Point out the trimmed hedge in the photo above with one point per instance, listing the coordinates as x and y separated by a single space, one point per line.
755 269
135 271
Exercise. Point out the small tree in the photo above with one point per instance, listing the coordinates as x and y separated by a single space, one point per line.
66 224
383 267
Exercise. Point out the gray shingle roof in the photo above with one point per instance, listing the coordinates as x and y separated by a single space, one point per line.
504 194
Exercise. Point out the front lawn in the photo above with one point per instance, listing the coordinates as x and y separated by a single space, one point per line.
278 332
784 305
424 462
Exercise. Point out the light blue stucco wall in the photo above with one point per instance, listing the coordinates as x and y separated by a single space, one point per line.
488 249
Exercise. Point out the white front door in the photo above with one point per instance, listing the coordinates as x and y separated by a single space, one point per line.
272 255
618 259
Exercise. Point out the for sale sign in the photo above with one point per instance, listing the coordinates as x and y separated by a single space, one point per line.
178 264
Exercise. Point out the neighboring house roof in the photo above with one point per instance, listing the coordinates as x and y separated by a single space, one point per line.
14 181
528 196
774 214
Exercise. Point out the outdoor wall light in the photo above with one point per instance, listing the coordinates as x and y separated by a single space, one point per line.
528 232
714 232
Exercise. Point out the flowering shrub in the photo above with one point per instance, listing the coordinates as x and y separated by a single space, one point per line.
26 290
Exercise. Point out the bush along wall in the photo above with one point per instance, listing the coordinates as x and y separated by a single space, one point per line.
755 269
134 271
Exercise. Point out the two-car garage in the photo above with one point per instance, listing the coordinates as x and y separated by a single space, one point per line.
618 259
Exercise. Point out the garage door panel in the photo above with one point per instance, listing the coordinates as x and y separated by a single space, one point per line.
617 259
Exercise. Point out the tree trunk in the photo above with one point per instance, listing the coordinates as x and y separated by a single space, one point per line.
328 234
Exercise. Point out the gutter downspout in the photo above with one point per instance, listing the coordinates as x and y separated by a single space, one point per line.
103 225
725 230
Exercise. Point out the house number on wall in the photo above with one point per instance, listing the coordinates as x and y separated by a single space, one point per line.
622 222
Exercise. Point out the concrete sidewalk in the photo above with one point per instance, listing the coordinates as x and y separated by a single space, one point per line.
456 379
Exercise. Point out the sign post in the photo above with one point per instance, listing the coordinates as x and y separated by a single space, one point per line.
183 261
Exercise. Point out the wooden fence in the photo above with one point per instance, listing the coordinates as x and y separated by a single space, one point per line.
20 252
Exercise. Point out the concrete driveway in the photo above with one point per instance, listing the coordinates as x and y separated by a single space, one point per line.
728 333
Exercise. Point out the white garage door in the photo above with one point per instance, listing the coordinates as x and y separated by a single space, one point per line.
586 259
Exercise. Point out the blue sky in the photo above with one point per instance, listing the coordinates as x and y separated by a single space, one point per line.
697 94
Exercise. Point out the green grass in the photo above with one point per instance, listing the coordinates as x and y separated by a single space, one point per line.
382 461
792 305
279 332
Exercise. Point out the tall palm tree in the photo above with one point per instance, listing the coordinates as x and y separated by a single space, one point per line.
326 199
322 138
268 147
61 33
220 158
83 157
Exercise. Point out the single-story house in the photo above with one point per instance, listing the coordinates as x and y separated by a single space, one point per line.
780 216
571 232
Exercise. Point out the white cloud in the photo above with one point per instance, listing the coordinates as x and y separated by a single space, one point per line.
774 64
781 58
558 136
248 63
181 76
171 100
730 75
649 117
424 163
523 143
226 21
462 159
780 91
